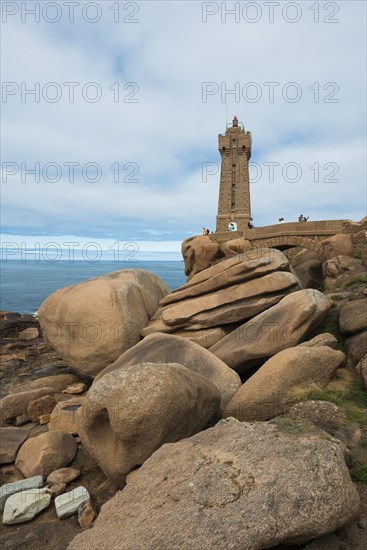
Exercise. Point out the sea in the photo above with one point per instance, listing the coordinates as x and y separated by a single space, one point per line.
26 284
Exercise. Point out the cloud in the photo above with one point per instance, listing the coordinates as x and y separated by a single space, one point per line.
170 131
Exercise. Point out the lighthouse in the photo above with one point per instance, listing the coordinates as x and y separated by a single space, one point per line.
234 206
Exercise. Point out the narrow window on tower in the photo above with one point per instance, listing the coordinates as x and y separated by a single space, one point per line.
234 143
233 188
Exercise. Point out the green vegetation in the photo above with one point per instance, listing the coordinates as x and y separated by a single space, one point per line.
357 255
356 280
347 394
359 474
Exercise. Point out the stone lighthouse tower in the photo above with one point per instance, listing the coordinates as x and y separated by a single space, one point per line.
234 208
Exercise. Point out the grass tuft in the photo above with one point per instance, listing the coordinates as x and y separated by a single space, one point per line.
359 474
350 396
356 280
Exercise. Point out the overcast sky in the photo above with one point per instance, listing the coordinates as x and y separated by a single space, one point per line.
164 72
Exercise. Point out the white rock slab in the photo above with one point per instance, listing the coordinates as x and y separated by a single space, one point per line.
25 505
16 486
68 503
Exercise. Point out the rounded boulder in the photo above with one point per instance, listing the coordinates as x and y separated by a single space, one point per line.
91 324
129 413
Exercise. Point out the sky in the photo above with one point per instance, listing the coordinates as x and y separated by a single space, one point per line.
118 142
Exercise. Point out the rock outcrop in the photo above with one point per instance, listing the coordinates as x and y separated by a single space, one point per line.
235 486
304 256
338 245
282 326
234 247
353 317
361 371
270 391
129 413
310 274
239 485
324 339
166 348
356 348
91 324
341 270
199 253
322 414
225 294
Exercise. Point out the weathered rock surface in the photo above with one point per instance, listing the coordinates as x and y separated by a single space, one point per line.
310 274
167 348
205 337
64 414
282 326
40 406
361 371
353 317
322 414
129 413
10 441
356 348
234 486
68 503
29 333
340 270
229 305
57 382
44 419
270 391
91 324
232 291
17 486
199 253
86 514
350 434
324 339
76 389
63 475
15 405
243 267
235 247
338 245
45 453
304 256
24 506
